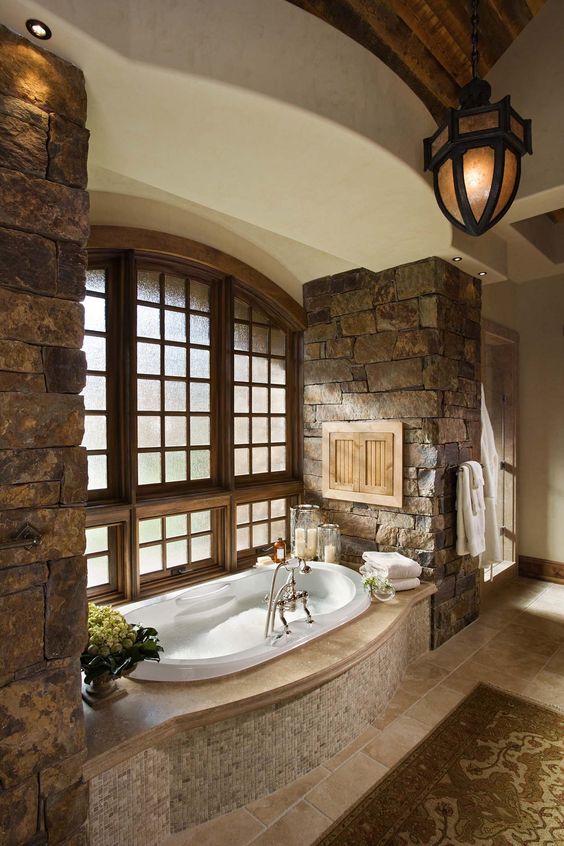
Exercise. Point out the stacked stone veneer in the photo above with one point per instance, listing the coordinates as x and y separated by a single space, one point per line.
43 229
401 344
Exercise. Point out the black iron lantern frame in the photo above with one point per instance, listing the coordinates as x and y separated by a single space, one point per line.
499 137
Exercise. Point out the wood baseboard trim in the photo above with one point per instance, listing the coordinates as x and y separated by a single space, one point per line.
541 568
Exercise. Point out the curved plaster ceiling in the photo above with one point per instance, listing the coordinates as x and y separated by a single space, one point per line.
256 128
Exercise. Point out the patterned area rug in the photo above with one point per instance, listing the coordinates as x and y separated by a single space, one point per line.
490 774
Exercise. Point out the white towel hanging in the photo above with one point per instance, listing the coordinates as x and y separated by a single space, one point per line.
470 510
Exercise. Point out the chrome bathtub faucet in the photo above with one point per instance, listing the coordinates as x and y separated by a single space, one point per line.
287 596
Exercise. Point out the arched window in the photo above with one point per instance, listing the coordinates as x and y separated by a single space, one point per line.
193 423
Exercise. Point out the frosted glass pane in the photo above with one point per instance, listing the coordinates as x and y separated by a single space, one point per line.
95 314
96 539
260 534
199 396
243 514
175 466
278 508
177 553
199 296
94 393
277 530
175 291
200 521
175 361
260 369
241 336
199 431
277 429
148 322
176 525
278 371
201 548
260 400
148 287
242 467
241 400
150 559
175 326
260 339
175 396
243 539
241 430
149 468
241 368
95 349
97 472
259 316
277 342
278 400
260 430
148 432
260 460
95 435
149 358
260 511
96 280
277 459
199 364
200 464
150 530
241 310
148 395
98 570
175 431
199 330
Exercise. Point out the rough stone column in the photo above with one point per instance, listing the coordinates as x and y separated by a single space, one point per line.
401 344
43 231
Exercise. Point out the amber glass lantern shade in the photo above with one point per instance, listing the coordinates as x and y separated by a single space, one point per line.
475 158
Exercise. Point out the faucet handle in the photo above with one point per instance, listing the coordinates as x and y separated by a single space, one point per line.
292 563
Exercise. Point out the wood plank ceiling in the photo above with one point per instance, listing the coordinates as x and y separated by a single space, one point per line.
427 42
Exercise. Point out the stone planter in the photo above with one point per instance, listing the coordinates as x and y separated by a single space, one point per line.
102 691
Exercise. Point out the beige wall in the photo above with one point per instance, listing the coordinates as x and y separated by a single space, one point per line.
536 310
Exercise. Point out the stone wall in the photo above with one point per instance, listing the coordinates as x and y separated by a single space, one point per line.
43 230
401 344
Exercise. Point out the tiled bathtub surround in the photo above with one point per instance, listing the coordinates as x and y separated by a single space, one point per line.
401 344
210 770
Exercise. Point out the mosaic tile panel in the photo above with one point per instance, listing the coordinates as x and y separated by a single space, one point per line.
211 770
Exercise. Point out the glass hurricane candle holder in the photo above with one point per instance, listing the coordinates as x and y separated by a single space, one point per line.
329 543
304 522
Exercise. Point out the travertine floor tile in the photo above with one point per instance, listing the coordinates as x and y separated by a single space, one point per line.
452 654
235 829
270 807
346 785
421 676
547 687
555 663
396 740
435 705
398 705
300 826
351 749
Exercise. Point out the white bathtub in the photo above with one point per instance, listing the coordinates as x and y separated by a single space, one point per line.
217 628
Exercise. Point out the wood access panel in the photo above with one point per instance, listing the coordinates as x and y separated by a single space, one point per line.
363 462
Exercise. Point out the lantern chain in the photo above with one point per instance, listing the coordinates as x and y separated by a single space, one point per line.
475 27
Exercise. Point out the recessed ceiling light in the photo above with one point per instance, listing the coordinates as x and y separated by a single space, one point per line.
457 258
483 273
38 29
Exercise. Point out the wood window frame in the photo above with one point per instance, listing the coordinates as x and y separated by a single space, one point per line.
123 504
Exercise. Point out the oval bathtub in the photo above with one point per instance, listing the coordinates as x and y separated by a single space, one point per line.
217 628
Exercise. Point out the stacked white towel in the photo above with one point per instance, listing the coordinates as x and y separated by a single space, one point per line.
402 572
